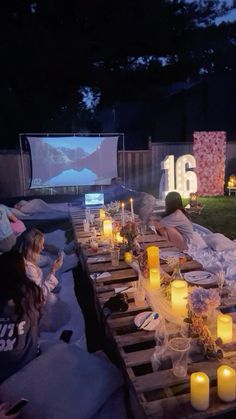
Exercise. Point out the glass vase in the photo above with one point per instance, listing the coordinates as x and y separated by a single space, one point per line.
176 274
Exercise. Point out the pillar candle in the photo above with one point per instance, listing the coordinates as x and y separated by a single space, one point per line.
122 214
199 390
102 214
179 293
153 257
132 208
107 228
225 328
154 278
128 257
226 383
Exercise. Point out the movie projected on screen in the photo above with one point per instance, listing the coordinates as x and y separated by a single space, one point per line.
72 161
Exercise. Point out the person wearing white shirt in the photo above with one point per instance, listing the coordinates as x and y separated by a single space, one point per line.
175 225
33 245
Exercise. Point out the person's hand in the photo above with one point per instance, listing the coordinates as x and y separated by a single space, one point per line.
4 407
57 264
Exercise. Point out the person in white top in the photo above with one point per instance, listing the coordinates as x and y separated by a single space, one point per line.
32 246
175 225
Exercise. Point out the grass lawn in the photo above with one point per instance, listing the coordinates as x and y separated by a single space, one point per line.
218 214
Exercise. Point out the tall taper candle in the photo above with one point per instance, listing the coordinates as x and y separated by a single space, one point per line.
122 214
132 208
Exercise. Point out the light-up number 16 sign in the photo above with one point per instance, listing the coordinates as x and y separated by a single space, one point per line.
177 176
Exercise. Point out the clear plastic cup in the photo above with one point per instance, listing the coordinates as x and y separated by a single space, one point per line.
179 354
115 257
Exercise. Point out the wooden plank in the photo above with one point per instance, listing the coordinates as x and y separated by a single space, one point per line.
187 266
106 267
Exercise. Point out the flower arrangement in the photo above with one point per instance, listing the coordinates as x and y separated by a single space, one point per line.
112 208
129 231
201 302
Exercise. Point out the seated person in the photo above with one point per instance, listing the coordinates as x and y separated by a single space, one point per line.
32 246
20 305
143 202
7 236
175 225
33 206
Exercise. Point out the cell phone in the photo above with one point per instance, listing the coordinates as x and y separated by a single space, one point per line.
66 335
17 407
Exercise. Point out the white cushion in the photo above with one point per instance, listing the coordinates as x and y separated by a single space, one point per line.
219 242
198 241
65 382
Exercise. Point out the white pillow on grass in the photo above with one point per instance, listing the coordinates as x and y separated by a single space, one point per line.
198 241
219 242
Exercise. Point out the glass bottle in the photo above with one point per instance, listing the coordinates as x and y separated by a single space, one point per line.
176 273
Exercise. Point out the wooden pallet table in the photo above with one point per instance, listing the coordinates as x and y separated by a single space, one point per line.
155 394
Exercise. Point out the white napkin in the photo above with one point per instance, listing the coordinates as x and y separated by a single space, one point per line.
102 275
121 289
152 325
97 259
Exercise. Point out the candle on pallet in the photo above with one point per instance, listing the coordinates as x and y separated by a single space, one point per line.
179 293
225 328
226 383
153 257
199 390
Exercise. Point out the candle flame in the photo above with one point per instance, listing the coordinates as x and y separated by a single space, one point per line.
226 372
200 378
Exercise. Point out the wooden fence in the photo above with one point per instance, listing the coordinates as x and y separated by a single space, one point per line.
141 169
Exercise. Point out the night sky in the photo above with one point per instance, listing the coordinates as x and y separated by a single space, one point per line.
127 66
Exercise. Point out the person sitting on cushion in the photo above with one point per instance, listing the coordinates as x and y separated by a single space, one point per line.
33 206
7 236
20 306
143 202
175 225
32 246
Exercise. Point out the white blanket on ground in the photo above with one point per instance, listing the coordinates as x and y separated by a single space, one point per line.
214 260
64 382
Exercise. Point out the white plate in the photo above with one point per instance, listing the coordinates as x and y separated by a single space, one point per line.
200 277
165 254
139 319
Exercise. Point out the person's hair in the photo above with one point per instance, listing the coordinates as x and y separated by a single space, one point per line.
173 202
31 244
116 181
14 285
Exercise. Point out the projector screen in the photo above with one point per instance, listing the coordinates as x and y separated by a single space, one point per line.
72 161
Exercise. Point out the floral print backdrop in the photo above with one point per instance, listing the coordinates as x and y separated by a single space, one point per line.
209 149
